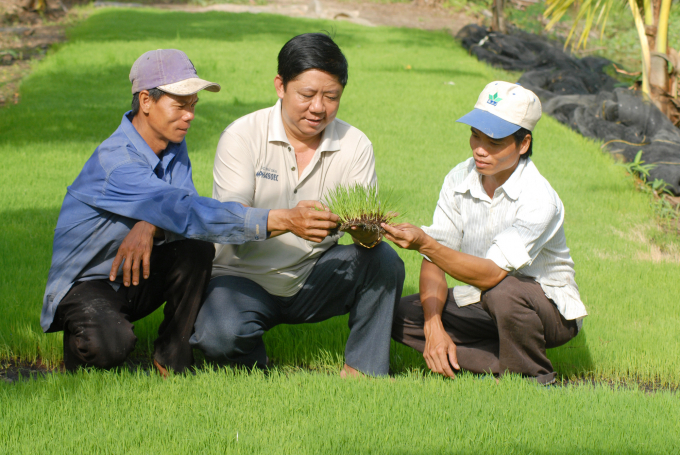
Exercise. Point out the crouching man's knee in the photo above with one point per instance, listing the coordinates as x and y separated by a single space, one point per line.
196 253
223 341
387 264
503 298
104 348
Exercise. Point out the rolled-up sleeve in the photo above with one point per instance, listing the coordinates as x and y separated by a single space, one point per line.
518 245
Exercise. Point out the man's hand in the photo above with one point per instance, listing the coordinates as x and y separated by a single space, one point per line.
133 252
406 236
440 351
309 220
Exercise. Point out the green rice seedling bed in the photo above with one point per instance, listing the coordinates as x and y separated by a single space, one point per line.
240 413
406 88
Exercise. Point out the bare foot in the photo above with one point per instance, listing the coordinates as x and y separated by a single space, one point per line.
347 372
161 369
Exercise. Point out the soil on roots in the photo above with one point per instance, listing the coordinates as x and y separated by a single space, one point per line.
369 222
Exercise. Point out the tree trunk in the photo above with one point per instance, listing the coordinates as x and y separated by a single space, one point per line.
658 72
498 20
644 46
661 83
650 31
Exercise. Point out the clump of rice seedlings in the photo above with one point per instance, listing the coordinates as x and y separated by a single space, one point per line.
361 206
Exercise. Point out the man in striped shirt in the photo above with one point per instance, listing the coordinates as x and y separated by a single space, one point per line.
498 228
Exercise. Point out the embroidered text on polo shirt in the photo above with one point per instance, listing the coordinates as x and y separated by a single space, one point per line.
267 173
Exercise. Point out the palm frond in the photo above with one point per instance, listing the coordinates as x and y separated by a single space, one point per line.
593 14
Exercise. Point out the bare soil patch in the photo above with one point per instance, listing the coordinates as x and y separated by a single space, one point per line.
412 15
655 251
25 36
11 371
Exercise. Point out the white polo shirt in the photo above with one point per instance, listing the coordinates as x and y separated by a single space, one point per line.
520 229
255 165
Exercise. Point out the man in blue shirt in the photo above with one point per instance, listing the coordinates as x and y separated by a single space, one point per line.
134 206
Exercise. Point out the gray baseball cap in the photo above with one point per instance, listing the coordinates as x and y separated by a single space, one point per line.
169 70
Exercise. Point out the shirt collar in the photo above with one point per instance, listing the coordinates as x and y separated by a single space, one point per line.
143 148
330 141
512 186
473 182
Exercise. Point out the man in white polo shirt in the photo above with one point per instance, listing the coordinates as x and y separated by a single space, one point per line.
275 158
498 227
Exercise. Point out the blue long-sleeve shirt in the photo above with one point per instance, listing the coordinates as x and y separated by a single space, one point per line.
124 182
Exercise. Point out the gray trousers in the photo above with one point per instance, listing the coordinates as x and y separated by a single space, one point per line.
366 283
508 330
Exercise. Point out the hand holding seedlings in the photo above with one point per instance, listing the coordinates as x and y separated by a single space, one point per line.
406 236
309 220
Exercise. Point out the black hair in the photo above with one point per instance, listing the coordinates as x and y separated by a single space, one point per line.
154 93
311 51
519 136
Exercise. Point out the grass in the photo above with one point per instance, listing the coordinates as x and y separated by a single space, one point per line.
75 98
235 412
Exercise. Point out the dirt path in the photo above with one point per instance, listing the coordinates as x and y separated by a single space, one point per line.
26 36
412 15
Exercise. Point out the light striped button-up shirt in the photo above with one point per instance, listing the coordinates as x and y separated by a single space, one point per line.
520 229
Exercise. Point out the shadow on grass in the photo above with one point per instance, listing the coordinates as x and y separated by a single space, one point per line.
141 25
25 255
96 113
573 358
81 102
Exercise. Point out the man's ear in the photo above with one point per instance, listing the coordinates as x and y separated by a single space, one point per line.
524 146
145 102
280 88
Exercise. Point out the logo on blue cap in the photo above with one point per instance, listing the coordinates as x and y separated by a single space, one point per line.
494 99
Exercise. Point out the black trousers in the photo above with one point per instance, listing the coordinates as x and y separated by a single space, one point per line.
508 330
97 320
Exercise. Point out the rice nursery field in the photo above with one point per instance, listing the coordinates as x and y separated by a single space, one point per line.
406 89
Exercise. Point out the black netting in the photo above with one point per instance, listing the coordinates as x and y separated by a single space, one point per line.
578 93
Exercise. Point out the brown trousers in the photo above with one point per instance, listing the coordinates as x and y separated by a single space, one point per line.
509 330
